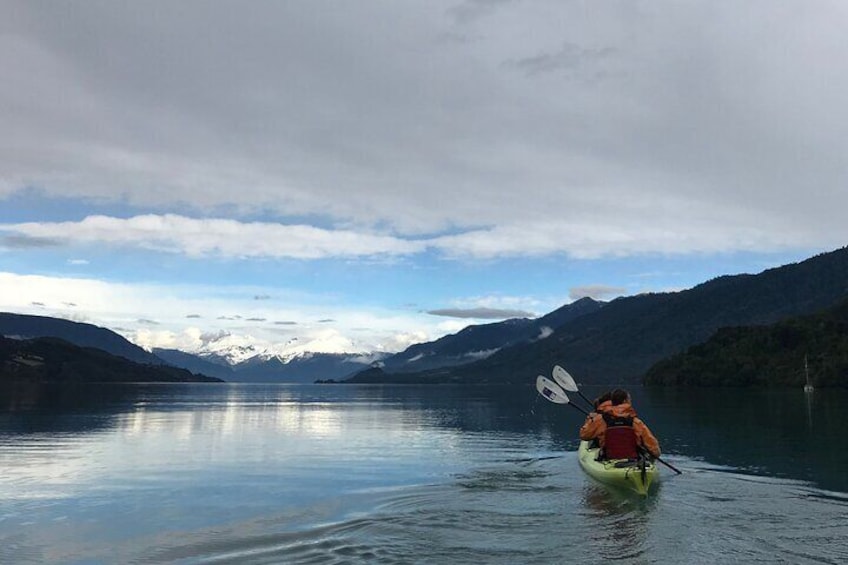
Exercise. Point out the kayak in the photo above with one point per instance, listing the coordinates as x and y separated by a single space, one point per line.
621 473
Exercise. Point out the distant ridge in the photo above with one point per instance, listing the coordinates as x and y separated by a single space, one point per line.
50 359
306 368
465 346
193 363
619 342
480 341
25 326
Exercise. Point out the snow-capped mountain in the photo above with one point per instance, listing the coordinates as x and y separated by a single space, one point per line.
234 350
230 349
244 358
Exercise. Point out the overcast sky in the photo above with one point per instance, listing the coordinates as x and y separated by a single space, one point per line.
383 172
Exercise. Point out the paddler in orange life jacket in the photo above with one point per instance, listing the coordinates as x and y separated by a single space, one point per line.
618 431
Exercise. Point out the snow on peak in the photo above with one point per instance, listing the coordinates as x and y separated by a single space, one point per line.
233 348
236 348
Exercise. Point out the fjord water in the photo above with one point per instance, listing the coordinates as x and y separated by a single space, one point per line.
408 474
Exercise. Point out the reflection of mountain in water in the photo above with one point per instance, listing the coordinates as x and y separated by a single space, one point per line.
50 359
774 432
769 432
37 407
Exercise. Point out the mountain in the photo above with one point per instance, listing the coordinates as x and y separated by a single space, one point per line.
620 341
50 359
193 363
304 368
226 357
765 355
308 363
299 368
240 358
480 341
23 326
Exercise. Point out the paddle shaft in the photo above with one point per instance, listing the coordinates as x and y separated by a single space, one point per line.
669 465
579 408
589 402
592 404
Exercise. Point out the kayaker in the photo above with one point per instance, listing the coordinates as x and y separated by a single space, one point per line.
601 399
618 431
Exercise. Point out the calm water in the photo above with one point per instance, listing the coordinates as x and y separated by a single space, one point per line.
370 474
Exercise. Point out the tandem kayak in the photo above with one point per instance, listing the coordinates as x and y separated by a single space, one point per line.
621 473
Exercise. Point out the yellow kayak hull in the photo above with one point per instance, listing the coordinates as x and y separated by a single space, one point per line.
627 478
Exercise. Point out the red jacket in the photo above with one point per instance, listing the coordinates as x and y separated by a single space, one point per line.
595 427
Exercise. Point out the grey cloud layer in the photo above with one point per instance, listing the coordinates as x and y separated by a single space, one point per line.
597 291
527 127
481 313
229 238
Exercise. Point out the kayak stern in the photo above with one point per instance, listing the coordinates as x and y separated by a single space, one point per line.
617 473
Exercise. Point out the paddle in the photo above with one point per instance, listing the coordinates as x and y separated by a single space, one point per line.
669 465
553 392
562 377
567 382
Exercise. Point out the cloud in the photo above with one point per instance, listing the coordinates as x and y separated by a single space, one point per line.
482 354
544 333
481 313
27 242
167 315
255 319
199 238
569 57
262 297
78 262
596 291
402 340
211 337
213 237
705 132
469 11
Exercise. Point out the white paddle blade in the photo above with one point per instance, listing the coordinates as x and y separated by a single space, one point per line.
551 390
564 380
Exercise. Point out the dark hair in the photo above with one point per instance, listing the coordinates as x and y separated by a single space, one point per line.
618 396
601 399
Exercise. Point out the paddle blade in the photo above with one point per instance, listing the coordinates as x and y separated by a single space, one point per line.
564 380
551 390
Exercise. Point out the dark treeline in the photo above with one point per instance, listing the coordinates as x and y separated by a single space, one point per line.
622 340
55 360
770 355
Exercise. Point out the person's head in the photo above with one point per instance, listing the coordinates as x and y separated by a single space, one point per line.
601 399
619 396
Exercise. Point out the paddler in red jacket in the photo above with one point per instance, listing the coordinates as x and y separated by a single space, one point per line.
618 431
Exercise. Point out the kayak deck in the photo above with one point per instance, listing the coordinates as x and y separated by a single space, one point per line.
613 472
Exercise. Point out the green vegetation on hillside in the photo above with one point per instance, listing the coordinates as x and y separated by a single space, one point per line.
622 340
55 360
770 355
